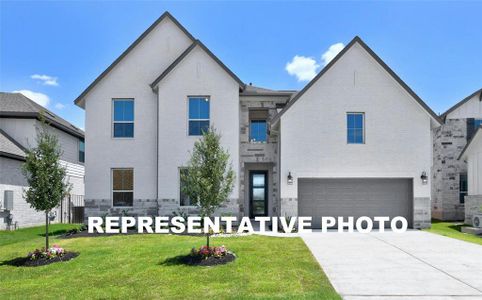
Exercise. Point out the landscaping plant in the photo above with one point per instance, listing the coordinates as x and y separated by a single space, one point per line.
210 177
45 175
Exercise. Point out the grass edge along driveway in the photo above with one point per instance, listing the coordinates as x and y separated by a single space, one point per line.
136 266
452 230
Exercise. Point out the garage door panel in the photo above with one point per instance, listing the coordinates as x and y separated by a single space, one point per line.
354 197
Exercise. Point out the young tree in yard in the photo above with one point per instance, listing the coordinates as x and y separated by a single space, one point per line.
45 176
209 178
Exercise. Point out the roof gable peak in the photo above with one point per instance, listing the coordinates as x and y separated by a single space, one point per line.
166 15
359 41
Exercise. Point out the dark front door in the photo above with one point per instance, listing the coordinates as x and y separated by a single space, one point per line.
258 193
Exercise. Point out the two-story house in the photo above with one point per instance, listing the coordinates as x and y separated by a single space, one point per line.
19 121
356 141
449 183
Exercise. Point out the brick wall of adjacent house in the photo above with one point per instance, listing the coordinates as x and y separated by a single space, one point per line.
448 142
473 206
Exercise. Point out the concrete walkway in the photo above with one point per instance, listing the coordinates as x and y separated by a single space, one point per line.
413 265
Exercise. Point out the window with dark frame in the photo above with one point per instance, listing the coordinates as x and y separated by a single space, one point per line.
355 128
462 188
198 115
258 126
184 199
122 187
81 151
123 118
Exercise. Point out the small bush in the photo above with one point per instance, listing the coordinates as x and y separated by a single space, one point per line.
205 252
52 252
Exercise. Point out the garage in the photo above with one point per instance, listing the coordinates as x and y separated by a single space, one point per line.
355 197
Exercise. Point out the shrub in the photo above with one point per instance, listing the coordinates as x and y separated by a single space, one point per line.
205 252
53 252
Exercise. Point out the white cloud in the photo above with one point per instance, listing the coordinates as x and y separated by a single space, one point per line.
59 105
40 98
332 51
304 68
46 79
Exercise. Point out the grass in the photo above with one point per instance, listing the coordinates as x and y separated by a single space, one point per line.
452 230
136 266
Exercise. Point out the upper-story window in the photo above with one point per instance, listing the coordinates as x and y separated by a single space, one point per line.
123 118
258 126
355 128
122 187
81 151
198 115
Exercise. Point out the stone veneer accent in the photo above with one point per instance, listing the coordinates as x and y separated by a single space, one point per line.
421 213
448 142
258 153
152 207
473 206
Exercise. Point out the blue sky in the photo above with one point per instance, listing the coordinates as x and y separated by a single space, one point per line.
435 47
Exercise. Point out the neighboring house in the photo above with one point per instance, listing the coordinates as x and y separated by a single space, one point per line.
472 156
449 183
19 122
355 141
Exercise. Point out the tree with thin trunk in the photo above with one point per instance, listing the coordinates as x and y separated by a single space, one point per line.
45 175
209 179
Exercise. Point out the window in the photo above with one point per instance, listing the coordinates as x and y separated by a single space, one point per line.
122 187
184 199
258 128
355 128
81 151
258 131
472 126
462 187
198 115
123 118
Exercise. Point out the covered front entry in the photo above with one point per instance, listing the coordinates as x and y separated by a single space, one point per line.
258 193
355 197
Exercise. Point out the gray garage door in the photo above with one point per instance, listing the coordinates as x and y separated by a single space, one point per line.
354 197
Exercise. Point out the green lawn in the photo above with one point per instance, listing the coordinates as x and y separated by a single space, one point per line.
134 266
452 229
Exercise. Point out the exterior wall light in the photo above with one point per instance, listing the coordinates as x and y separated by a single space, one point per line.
424 178
290 178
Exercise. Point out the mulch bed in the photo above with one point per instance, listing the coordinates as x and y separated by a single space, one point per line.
26 262
210 261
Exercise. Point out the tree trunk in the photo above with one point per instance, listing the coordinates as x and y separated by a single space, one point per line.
207 238
46 230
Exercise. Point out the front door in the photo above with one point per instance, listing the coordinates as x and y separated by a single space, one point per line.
258 193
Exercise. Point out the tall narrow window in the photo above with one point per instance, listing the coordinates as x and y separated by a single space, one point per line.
81 151
123 118
198 115
355 128
122 187
184 199
462 187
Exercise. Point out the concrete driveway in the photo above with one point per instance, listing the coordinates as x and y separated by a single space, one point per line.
412 265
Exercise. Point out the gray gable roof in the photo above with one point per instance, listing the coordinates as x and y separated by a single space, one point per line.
16 105
185 54
378 59
132 46
462 102
10 148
